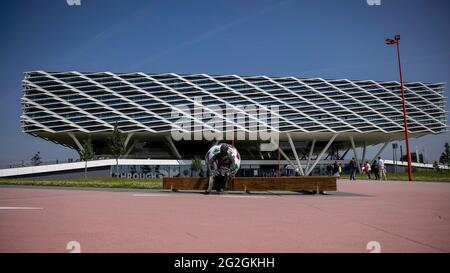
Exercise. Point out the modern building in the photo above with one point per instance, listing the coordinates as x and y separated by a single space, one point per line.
316 118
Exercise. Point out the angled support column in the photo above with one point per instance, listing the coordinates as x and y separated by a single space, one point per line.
344 154
304 157
173 147
310 154
130 149
295 154
283 154
355 154
128 139
287 158
258 148
321 154
364 154
381 150
250 153
72 135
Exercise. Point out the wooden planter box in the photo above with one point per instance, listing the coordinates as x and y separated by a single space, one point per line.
287 183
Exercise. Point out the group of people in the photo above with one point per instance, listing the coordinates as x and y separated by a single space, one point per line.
334 169
377 169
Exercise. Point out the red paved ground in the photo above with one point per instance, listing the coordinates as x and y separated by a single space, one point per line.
401 216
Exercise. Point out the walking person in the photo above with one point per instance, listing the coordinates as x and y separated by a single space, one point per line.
382 168
352 167
336 169
367 169
330 169
376 169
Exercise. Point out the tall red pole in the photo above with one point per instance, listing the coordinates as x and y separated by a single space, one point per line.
408 155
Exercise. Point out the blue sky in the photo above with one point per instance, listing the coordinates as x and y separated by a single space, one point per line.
328 39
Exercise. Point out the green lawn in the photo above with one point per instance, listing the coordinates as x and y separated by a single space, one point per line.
443 176
89 182
430 176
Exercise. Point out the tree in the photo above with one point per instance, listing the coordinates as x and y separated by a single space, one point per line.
117 146
445 156
196 165
87 153
36 159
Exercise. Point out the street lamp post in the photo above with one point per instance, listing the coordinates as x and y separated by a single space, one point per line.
396 41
